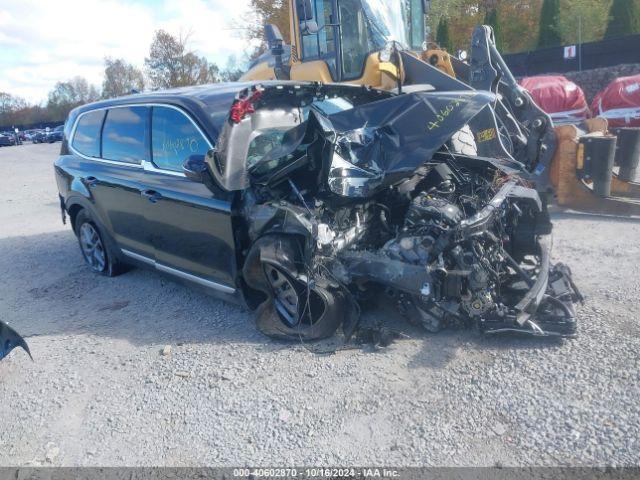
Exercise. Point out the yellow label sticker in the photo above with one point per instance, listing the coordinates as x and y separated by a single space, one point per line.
486 135
580 157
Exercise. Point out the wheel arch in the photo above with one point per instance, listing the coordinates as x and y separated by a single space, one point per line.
282 249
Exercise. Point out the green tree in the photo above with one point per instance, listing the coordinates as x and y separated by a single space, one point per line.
549 33
491 18
623 18
120 78
442 37
591 14
65 96
518 21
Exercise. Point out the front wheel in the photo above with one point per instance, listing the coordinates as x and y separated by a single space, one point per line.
291 304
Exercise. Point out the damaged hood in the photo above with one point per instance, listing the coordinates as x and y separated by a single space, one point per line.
379 143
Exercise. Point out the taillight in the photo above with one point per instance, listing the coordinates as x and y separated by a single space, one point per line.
244 105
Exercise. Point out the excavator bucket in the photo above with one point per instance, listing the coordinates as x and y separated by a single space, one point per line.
582 170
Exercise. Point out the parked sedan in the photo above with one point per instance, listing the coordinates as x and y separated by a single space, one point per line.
7 139
55 135
28 135
38 136
302 201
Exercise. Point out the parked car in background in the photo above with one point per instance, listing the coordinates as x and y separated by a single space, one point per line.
38 136
55 135
7 139
29 134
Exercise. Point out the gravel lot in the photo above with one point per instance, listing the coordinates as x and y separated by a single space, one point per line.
101 393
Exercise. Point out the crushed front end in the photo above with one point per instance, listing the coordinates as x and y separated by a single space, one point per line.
358 192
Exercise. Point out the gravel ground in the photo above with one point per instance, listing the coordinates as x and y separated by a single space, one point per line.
101 393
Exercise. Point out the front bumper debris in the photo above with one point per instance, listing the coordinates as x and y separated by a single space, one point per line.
10 339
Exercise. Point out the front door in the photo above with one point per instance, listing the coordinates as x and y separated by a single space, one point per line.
190 226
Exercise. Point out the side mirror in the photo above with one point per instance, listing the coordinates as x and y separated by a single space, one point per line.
304 10
195 168
273 36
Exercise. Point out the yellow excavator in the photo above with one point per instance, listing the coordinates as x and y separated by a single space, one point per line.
383 44
347 41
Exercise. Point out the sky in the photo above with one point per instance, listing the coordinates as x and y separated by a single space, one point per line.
46 41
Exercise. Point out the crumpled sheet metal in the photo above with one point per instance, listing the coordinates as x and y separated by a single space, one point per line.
397 135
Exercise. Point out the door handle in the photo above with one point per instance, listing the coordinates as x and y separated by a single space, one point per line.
91 181
151 195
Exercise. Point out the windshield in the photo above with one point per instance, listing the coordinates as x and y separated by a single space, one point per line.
395 20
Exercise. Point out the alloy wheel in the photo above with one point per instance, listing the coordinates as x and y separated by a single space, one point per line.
92 248
286 296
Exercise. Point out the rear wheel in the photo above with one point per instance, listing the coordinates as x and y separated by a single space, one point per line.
96 250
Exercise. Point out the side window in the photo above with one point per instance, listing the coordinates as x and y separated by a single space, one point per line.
321 44
125 135
86 138
356 44
174 138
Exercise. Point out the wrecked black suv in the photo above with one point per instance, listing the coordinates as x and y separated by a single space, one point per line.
302 200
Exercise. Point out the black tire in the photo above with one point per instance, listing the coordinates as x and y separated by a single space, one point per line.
320 306
96 248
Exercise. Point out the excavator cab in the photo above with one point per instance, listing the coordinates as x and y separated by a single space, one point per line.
343 41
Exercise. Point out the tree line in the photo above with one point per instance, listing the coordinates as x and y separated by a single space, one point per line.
171 63
522 25
519 25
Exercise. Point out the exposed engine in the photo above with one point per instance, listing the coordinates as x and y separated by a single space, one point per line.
453 238
472 238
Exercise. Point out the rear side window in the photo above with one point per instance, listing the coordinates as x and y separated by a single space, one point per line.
174 139
86 139
125 135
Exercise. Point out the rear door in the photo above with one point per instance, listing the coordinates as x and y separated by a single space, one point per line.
115 175
190 225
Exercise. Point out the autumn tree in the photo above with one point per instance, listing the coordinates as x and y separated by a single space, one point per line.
265 12
623 18
10 108
10 103
171 64
67 95
549 33
120 78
